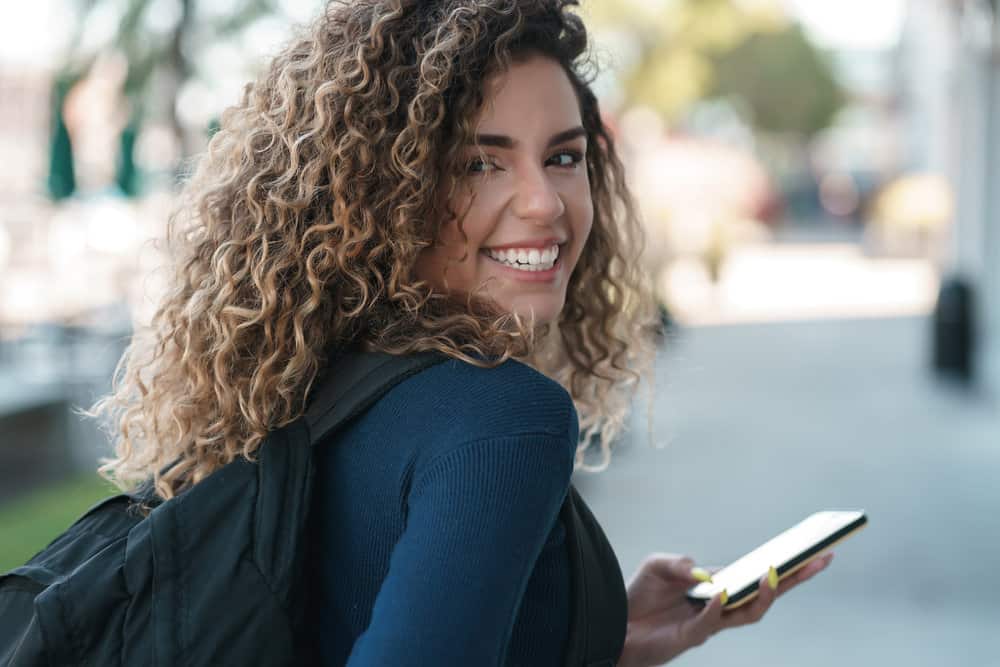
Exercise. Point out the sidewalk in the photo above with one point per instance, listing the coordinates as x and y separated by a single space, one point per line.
765 424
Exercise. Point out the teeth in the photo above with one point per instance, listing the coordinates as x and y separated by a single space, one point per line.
527 259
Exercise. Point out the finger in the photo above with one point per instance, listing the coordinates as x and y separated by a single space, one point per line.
694 631
670 566
754 610
806 573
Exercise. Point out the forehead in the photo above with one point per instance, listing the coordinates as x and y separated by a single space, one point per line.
532 95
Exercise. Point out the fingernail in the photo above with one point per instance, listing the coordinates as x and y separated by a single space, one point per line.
772 578
701 574
725 597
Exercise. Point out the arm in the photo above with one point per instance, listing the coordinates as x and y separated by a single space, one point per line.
478 518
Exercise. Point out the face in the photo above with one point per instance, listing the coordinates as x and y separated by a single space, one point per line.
526 196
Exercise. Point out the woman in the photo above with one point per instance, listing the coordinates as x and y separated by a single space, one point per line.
411 176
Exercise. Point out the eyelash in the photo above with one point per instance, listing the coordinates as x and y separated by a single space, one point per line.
575 156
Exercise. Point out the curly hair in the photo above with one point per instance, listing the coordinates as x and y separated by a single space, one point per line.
297 233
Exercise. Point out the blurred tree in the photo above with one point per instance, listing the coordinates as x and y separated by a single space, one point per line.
690 50
786 83
161 49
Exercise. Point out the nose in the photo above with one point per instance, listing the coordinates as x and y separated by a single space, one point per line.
536 199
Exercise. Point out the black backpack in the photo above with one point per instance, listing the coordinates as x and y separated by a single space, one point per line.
210 577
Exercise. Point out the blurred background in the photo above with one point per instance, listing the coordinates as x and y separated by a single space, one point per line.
820 183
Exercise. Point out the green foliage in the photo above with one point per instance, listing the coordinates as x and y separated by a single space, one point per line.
670 80
691 50
28 524
783 79
148 50
160 59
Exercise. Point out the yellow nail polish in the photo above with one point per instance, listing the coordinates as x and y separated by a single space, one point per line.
701 574
725 597
772 578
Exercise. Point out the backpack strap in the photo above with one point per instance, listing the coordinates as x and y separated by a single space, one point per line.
599 614
354 381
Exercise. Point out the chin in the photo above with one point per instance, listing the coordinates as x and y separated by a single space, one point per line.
544 310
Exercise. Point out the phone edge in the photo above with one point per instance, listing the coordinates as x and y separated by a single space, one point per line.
792 566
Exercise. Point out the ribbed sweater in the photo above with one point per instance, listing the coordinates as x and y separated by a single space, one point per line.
436 513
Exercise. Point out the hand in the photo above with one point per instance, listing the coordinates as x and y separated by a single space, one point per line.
663 623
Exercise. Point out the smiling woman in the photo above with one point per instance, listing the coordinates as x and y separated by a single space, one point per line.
413 177
379 187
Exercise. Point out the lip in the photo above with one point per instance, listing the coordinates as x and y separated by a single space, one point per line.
546 276
540 244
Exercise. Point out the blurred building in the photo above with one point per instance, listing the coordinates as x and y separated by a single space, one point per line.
950 91
926 84
24 127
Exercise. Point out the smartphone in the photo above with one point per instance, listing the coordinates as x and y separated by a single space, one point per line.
788 552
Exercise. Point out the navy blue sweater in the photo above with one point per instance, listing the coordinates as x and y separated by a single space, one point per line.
437 512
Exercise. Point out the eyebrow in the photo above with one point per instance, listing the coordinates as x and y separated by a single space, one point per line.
503 141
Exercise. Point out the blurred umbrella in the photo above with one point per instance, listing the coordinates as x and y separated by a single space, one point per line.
126 174
62 179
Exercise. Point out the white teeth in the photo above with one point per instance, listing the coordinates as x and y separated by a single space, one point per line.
527 259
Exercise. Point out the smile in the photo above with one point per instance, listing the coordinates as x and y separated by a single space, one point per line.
526 259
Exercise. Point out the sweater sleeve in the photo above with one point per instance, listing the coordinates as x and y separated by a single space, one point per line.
478 518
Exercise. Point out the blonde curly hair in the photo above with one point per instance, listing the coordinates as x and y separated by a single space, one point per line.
298 231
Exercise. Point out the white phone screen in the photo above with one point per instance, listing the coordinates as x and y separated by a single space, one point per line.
744 572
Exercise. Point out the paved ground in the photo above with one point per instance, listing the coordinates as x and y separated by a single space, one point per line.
799 278
763 425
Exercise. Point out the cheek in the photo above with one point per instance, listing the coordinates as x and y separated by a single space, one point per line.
453 260
455 242
582 218
479 209
478 222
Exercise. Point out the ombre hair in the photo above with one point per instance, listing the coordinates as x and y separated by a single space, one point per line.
297 233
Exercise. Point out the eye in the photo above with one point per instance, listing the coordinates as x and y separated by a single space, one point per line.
480 166
566 158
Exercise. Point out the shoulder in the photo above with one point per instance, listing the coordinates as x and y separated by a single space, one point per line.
455 402
510 398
